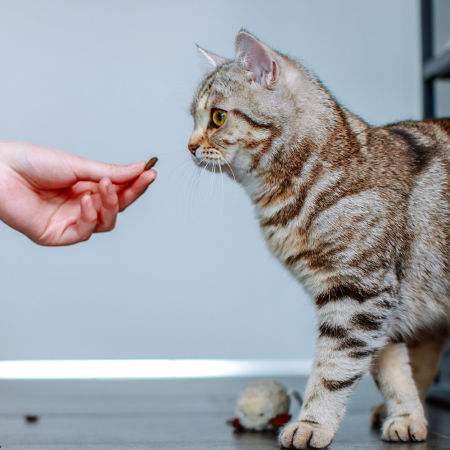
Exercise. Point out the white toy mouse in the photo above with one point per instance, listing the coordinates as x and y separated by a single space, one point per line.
263 405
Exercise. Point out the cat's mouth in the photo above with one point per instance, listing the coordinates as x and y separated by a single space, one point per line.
212 160
208 157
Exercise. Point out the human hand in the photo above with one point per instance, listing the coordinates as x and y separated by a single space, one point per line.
56 198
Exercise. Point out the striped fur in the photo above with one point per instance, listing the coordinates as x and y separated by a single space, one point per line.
358 214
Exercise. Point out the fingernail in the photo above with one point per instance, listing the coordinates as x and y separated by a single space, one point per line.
110 188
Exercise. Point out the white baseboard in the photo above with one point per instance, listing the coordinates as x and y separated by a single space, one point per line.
149 368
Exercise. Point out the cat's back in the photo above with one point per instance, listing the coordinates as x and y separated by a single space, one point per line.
422 143
422 156
424 152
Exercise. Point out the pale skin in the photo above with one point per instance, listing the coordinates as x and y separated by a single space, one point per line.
56 198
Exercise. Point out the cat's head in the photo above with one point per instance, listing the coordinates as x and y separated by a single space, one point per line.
245 104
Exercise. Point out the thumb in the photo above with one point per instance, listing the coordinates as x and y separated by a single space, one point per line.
90 170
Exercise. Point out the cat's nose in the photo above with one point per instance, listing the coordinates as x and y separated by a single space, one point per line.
193 147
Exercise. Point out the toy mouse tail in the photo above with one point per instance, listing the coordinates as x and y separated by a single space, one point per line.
295 394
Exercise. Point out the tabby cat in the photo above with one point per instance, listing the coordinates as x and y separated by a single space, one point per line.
358 214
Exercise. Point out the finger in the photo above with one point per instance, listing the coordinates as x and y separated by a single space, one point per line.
84 187
136 189
96 201
90 170
109 206
85 226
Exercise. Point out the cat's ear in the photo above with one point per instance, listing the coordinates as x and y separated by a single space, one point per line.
212 58
257 59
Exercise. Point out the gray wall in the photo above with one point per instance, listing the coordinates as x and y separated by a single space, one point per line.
186 272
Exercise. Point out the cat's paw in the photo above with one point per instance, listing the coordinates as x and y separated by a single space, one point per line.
404 429
378 415
305 435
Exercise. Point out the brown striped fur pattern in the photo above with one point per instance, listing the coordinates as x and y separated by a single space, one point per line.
358 214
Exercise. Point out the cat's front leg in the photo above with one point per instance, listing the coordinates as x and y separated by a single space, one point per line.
352 330
392 373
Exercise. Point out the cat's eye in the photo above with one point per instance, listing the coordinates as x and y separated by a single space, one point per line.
218 117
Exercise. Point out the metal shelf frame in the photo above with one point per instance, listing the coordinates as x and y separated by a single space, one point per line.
432 67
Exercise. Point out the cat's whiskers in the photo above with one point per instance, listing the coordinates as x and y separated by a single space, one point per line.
192 182
229 166
222 158
213 182
196 182
214 163
206 163
221 176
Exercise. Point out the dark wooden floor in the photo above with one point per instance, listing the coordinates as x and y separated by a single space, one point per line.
167 414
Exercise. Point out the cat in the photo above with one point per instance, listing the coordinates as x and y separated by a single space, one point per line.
358 214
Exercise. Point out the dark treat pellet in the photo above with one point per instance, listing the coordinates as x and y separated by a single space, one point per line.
31 418
151 163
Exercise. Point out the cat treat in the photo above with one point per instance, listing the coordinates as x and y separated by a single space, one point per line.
357 213
151 162
31 418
